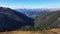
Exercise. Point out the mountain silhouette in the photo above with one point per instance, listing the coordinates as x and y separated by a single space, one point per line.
13 20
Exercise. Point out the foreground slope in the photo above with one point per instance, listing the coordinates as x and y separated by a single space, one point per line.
51 31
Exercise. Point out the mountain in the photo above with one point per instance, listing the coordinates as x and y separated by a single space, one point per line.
49 20
33 13
13 20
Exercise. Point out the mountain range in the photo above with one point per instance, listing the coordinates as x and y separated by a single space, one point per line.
33 13
28 19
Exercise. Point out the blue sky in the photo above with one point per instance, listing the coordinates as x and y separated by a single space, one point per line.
29 3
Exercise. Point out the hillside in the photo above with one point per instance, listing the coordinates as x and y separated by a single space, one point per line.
13 20
49 20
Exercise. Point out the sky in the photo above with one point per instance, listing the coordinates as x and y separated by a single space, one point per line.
30 3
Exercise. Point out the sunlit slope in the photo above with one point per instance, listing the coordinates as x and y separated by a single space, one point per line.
49 20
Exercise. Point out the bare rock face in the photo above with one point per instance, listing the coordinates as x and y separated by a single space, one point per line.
12 20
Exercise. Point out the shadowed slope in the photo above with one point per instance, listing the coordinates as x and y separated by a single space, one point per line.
12 20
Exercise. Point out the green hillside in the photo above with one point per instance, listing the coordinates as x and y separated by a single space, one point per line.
47 21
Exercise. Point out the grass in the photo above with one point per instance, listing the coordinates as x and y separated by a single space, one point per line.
20 32
51 31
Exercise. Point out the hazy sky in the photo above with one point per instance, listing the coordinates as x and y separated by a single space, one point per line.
29 3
